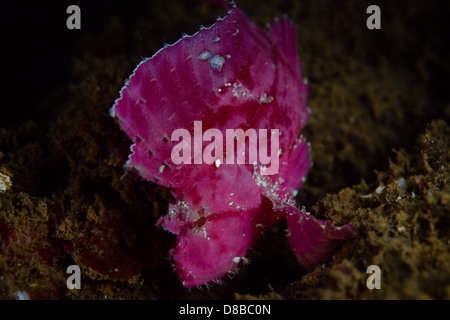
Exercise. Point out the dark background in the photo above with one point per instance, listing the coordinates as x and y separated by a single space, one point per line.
37 46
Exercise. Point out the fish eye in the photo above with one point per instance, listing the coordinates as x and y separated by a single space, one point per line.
201 222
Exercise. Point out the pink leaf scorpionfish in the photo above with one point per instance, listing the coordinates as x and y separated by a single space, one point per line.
230 75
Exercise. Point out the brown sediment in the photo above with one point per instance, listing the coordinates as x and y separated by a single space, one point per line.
379 142
402 220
